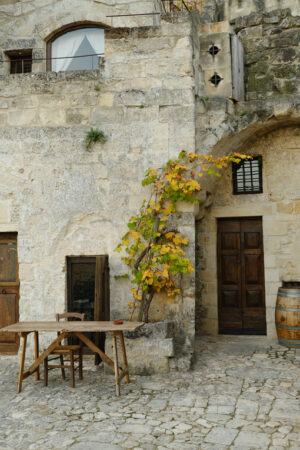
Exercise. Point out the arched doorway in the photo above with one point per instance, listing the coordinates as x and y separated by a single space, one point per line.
278 209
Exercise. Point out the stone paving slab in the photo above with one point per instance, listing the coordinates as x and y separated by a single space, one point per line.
243 393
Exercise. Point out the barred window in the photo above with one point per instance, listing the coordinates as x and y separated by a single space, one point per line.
247 176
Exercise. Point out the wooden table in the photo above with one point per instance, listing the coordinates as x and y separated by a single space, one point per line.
75 328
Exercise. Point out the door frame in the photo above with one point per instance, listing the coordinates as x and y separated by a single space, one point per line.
101 302
242 288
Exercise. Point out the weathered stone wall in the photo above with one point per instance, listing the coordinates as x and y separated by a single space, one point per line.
224 127
271 42
148 98
231 9
279 207
65 201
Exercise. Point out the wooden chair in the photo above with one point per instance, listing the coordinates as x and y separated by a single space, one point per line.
66 350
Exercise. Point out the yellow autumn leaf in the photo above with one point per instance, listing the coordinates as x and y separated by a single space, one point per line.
157 208
185 241
164 249
169 235
177 239
147 273
180 167
149 210
165 273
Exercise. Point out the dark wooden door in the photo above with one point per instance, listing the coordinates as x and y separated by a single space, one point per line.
88 290
241 292
9 291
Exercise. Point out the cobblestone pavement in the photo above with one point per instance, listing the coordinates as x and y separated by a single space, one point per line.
242 394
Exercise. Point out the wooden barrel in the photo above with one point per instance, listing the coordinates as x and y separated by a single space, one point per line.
287 317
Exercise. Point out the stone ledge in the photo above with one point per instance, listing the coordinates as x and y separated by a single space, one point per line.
152 349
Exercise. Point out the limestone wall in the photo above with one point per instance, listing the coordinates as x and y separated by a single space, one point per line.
65 201
279 207
271 43
236 8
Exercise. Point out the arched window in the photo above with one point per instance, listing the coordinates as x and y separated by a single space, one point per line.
78 49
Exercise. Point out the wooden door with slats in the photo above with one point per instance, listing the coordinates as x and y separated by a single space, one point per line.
241 291
88 291
9 291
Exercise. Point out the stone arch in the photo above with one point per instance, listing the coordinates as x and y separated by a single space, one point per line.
78 19
280 120
243 130
70 26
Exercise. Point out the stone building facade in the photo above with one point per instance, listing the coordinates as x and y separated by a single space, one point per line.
152 96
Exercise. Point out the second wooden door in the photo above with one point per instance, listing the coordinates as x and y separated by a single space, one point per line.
241 276
9 291
88 290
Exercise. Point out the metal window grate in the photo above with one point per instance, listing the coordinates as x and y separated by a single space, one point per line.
247 176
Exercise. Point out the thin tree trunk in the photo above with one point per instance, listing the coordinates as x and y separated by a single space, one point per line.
147 304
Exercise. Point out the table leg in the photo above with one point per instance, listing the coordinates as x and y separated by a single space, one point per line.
36 353
114 340
124 355
46 353
22 362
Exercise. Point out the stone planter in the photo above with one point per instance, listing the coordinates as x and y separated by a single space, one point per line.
153 349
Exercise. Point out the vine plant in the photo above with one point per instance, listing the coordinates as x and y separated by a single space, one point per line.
154 250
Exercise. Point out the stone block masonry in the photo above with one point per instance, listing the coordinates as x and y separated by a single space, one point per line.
65 201
271 41
149 99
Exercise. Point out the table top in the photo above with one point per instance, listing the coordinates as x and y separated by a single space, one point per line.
76 325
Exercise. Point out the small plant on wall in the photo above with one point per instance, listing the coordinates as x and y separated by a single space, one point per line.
93 136
154 250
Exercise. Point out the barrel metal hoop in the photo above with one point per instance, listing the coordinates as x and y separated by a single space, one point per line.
288 295
286 327
289 291
289 342
281 308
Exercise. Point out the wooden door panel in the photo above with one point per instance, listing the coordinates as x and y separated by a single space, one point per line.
230 274
229 286
8 309
9 291
88 291
254 321
253 272
8 262
230 298
229 241
241 276
253 298
252 240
